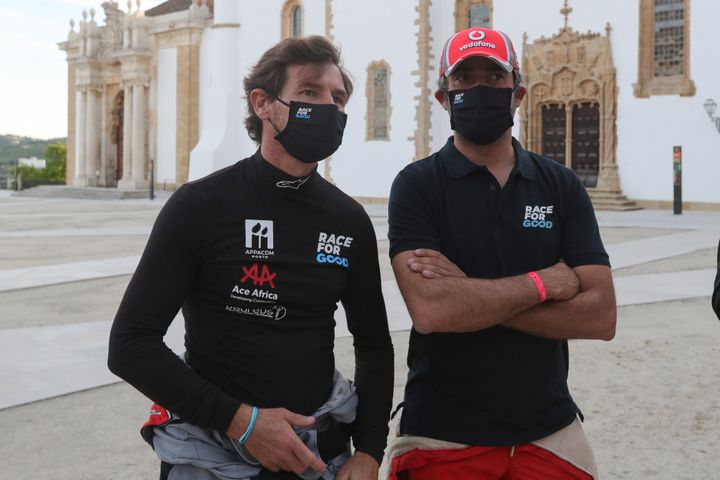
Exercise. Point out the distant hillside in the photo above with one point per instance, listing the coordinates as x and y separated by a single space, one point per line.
13 147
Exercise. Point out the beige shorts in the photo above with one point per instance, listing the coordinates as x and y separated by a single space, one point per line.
569 444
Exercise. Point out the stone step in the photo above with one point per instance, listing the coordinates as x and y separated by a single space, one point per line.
611 200
85 193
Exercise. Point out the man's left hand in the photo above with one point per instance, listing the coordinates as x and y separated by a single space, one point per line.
361 466
433 264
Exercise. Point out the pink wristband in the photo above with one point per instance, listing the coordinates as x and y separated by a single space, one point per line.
542 293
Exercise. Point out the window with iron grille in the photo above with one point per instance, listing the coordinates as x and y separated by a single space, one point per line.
669 38
479 16
378 101
297 21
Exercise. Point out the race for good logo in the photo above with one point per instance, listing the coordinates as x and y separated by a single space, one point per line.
535 217
329 249
304 113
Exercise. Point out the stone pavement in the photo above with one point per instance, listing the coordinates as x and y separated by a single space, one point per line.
42 362
64 265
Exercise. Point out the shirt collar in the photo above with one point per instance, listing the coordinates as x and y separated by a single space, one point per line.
458 166
271 174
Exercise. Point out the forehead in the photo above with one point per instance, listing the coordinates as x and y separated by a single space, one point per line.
322 74
478 63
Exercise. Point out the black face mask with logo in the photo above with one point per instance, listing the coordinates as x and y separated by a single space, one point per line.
481 114
314 130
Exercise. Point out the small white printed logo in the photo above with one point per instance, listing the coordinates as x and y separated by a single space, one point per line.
303 112
476 35
329 249
535 216
259 242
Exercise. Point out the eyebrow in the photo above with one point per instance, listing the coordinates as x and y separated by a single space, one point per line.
312 84
309 83
494 67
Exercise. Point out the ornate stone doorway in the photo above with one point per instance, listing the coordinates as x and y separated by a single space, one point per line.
570 111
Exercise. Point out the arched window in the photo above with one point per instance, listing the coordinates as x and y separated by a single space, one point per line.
378 102
664 44
292 19
473 13
479 16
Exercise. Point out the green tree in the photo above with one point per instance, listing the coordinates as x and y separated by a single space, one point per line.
55 165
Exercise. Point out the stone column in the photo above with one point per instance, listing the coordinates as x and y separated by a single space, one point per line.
126 181
104 135
188 108
91 137
72 125
138 136
80 177
568 133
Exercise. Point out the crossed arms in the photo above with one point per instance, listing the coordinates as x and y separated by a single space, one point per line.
441 298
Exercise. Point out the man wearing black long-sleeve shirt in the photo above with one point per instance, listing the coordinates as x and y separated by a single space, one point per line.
257 255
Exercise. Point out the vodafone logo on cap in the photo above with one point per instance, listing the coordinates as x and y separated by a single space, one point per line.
476 35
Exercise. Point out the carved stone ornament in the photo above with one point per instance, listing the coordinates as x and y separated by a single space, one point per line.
571 69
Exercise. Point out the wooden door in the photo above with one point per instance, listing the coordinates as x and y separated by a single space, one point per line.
586 142
554 132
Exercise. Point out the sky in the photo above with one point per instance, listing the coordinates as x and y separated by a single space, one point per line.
33 71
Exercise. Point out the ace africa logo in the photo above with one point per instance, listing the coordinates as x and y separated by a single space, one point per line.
259 276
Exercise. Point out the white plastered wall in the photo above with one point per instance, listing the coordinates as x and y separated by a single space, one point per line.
166 115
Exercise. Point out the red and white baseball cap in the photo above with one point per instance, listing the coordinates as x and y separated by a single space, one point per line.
482 42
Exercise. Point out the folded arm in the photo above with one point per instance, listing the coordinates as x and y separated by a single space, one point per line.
591 314
440 298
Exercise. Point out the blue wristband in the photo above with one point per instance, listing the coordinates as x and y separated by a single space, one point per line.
250 426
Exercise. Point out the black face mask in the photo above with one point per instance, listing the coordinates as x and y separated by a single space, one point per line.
314 130
481 114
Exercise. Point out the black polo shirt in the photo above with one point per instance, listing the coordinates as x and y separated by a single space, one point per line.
495 386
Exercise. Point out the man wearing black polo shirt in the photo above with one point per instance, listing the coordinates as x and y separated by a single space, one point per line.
498 256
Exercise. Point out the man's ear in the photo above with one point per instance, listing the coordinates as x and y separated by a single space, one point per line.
518 96
442 98
260 101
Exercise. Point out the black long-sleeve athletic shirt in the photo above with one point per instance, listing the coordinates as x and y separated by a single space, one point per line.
258 261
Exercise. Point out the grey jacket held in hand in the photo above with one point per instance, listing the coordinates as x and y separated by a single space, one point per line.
203 454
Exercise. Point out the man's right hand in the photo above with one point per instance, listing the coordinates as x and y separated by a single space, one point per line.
273 442
560 281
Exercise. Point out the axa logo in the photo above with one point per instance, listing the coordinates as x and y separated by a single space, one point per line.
259 276
259 241
476 35
535 216
304 113
458 98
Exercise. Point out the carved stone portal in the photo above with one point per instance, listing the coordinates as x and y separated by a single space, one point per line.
571 80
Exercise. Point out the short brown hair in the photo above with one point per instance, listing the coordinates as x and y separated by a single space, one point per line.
270 73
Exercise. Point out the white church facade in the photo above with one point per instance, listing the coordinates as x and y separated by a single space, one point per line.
613 87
